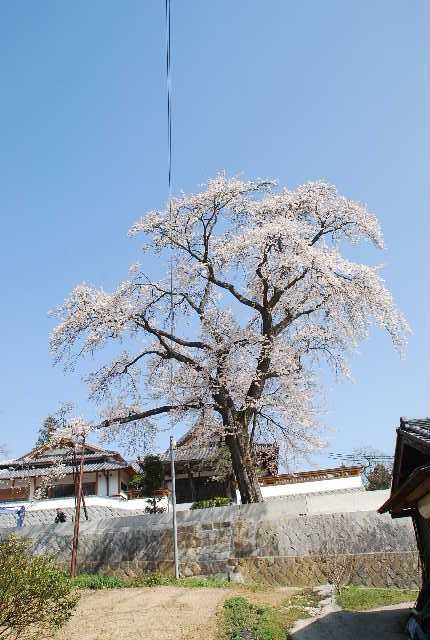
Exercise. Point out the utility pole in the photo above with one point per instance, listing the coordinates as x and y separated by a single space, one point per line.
175 526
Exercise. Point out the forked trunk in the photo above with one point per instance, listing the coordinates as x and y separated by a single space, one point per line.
244 467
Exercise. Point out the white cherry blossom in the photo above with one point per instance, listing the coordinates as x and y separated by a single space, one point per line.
262 296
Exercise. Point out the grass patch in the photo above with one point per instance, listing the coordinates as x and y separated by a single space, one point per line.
361 598
99 581
242 619
95 581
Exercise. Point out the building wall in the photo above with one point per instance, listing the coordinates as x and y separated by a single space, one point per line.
315 486
124 479
20 490
113 482
102 484
103 487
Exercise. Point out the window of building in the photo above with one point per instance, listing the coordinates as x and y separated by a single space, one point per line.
68 490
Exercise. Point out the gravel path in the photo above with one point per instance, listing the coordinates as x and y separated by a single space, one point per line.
162 613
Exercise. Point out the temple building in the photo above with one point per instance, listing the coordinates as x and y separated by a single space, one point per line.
200 468
105 473
197 474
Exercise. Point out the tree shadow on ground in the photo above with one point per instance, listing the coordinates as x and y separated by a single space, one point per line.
386 624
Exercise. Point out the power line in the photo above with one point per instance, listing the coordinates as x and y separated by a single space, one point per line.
169 154
359 456
172 308
169 95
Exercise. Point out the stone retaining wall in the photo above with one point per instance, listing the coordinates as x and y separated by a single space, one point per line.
263 541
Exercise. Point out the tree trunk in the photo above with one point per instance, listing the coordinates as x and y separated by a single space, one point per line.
244 467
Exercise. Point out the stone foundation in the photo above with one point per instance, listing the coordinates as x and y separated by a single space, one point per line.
369 570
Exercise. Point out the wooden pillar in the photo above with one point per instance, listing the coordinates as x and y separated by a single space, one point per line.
191 483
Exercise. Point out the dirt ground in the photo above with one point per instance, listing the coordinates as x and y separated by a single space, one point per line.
161 613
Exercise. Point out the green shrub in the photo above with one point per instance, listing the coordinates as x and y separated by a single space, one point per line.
153 580
136 482
96 581
241 619
219 501
270 625
35 596
149 482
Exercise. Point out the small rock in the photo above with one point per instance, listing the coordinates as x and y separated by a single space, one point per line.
236 577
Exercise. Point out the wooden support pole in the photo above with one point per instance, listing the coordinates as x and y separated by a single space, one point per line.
175 526
78 500
84 505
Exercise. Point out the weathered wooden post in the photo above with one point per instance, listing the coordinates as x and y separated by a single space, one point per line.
78 500
175 526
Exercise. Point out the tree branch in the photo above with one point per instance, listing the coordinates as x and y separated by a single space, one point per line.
141 415
193 344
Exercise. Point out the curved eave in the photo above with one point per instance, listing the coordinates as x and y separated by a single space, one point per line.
407 495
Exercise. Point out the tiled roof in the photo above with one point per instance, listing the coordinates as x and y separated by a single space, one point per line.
409 472
11 473
64 448
193 453
419 427
55 458
190 448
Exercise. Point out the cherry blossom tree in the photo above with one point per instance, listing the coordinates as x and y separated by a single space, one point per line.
261 297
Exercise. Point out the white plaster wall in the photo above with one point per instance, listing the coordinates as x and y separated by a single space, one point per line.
344 502
320 503
113 483
424 506
315 486
102 485
53 503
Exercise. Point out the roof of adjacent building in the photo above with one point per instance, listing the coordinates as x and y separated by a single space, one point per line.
41 460
15 473
65 447
193 447
417 429
411 469
191 453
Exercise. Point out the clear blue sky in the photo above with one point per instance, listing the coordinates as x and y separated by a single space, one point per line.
291 90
